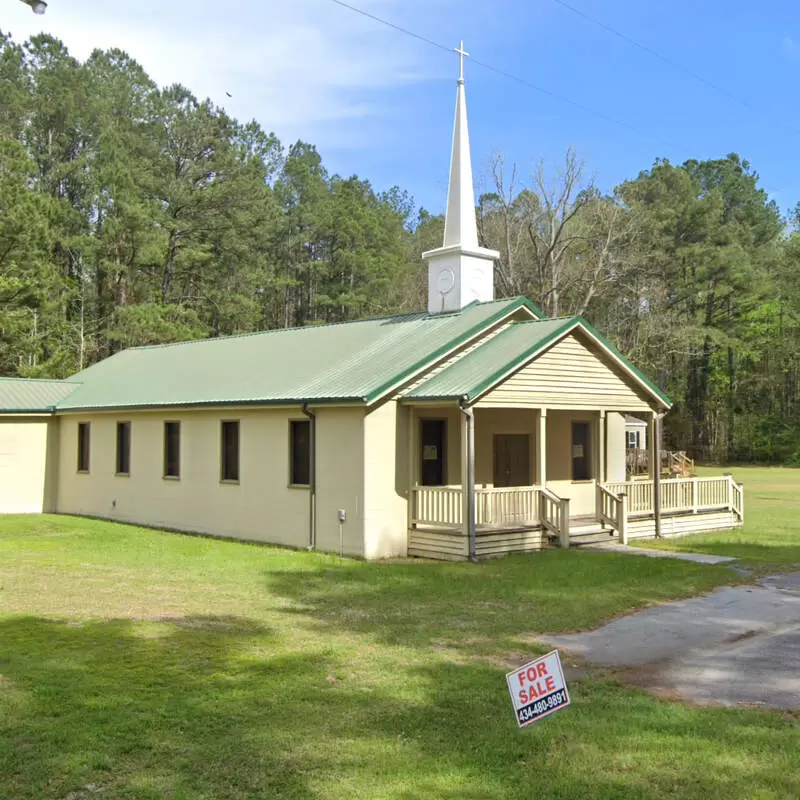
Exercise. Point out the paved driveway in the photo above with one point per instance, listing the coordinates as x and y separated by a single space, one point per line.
737 645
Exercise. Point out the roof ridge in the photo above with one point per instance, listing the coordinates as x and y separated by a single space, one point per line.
296 328
38 380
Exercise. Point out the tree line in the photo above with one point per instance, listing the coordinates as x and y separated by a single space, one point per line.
132 214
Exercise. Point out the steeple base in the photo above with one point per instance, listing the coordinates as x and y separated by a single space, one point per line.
458 276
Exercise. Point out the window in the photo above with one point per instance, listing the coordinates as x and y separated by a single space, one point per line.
229 452
172 449
433 441
581 457
83 446
123 448
633 439
300 452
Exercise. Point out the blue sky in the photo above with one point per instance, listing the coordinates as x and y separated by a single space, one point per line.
379 104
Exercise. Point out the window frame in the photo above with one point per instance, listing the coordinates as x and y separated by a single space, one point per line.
84 457
223 427
123 425
292 458
165 473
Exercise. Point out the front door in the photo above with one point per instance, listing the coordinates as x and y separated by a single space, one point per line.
434 441
512 459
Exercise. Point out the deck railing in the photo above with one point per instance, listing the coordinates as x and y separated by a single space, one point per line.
612 509
688 495
441 507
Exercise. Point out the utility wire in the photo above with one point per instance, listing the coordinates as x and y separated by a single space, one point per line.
509 75
675 65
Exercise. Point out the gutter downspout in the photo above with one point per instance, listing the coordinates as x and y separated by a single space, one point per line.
469 454
657 474
312 479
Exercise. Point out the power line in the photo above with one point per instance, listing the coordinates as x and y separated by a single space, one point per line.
509 75
675 65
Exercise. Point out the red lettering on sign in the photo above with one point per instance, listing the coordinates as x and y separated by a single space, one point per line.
550 683
542 669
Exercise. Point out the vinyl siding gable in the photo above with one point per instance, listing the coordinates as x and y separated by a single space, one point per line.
574 373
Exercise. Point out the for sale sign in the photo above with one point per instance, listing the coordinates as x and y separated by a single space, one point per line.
538 689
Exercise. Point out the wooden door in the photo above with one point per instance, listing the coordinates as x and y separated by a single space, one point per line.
512 459
433 445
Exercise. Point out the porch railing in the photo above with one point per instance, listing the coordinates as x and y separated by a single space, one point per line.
507 506
499 507
612 509
688 495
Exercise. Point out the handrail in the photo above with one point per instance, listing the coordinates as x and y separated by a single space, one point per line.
554 514
612 509
689 495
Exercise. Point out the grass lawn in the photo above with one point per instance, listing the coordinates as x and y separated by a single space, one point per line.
152 665
770 538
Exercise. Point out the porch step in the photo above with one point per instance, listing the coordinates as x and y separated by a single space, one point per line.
596 535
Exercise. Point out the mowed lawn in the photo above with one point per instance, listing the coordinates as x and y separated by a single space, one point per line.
142 664
770 538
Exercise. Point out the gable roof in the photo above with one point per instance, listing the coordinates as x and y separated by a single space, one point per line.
32 396
488 365
348 362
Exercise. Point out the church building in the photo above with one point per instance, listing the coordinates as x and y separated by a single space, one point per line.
475 428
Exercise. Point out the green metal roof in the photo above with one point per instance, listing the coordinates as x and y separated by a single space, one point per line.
30 396
487 365
355 361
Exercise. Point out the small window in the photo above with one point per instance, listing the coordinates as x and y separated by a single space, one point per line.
83 446
172 449
123 448
633 439
300 456
581 457
229 452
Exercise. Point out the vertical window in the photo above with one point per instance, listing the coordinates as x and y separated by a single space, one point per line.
229 452
172 449
300 452
83 446
632 437
581 457
123 448
433 440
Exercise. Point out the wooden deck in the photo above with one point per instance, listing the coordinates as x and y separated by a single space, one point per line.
526 519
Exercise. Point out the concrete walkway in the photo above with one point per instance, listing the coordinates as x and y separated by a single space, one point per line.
737 645
626 549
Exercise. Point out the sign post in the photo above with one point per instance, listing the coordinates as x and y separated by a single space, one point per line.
538 689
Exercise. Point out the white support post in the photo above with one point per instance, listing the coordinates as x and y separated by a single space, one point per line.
541 449
622 522
694 495
412 468
601 447
653 454
563 523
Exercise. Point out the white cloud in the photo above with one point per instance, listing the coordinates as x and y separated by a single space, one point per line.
303 68
790 47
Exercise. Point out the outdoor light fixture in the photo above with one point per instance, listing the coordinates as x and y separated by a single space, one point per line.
38 6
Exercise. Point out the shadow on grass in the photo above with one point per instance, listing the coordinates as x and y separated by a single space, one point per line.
184 710
423 603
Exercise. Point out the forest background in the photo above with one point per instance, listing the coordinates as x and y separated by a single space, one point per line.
132 214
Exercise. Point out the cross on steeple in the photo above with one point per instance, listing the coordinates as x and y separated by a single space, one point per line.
461 53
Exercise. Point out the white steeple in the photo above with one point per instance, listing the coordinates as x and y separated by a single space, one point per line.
460 271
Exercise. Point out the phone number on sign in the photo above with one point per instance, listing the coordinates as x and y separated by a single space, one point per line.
538 708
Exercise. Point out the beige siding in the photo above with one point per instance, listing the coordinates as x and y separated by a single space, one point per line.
28 468
571 374
340 479
581 494
260 507
615 444
386 474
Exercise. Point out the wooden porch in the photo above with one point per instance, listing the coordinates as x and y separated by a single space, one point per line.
527 518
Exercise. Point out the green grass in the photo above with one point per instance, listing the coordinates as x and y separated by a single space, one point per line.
770 538
153 665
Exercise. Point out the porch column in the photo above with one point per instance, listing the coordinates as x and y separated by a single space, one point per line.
468 478
654 456
541 449
602 468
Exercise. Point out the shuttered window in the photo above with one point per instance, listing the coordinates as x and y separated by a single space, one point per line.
84 437
229 451
123 448
172 449
300 452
